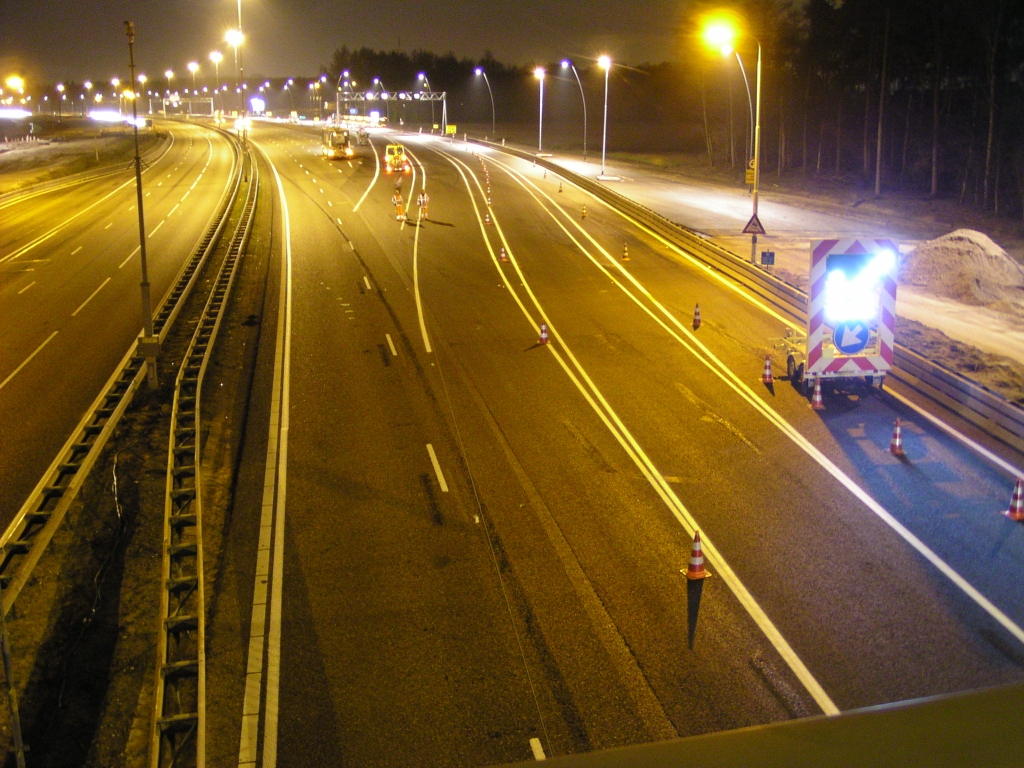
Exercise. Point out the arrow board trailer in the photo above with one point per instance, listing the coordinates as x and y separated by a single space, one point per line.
851 321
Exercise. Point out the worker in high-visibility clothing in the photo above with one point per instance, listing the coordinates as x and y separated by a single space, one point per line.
423 201
396 200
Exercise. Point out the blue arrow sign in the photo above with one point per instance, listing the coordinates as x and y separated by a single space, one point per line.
850 337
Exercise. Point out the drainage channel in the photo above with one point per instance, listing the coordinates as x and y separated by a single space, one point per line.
26 538
178 729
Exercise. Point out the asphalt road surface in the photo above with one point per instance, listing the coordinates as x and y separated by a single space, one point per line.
70 304
483 535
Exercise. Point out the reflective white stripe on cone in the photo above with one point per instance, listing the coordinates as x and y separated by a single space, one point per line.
1016 510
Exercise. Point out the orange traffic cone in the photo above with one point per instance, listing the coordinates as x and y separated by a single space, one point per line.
695 570
766 377
1016 510
502 256
896 445
545 173
543 334
696 317
625 252
559 186
584 211
487 217
817 403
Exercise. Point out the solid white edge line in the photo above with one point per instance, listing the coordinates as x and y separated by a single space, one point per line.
416 272
376 173
277 575
437 468
91 296
394 352
27 360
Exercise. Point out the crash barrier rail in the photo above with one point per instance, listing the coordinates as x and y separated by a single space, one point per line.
28 535
53 185
178 732
997 416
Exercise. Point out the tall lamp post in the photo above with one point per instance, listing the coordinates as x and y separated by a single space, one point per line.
566 64
423 76
539 73
337 104
605 63
480 71
721 34
216 57
193 67
60 98
149 345
235 38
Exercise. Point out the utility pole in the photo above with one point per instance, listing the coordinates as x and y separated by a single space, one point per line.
149 346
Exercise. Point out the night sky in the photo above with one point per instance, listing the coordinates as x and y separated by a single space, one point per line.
77 39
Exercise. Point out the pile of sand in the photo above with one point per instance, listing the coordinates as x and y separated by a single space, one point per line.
965 266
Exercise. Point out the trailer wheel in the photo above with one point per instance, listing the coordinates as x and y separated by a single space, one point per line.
791 368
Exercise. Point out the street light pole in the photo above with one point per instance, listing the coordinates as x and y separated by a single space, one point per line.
539 74
583 96
480 71
757 151
149 346
721 34
606 64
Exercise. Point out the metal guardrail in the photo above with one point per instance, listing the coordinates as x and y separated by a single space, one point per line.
991 412
178 733
28 535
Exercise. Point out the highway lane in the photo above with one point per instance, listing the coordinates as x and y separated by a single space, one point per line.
944 493
70 306
336 645
589 542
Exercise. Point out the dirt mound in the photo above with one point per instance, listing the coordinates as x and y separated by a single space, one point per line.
966 266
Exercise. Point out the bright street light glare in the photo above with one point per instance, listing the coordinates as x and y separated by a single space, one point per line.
539 73
216 57
15 83
193 67
565 63
234 37
116 81
720 35
478 71
604 62
142 79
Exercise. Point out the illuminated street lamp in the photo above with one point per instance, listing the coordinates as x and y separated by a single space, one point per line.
480 71
235 38
15 83
720 33
426 82
539 73
566 64
605 63
60 98
193 67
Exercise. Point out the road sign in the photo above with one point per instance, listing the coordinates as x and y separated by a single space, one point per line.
852 287
750 172
754 226
768 258
850 337
450 130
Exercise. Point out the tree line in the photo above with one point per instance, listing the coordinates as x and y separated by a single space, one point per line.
924 97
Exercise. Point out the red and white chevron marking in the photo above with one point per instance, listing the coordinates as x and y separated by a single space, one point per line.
822 358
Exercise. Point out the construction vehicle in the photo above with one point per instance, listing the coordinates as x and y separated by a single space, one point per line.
395 160
337 143
852 314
